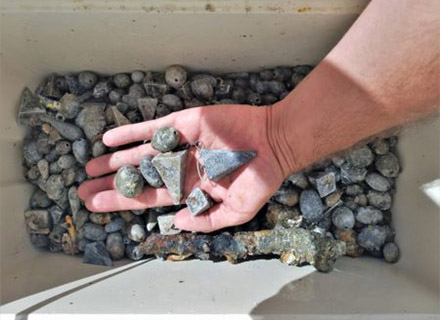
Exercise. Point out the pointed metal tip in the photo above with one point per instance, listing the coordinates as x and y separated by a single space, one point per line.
220 163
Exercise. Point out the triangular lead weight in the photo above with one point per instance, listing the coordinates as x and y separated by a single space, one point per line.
118 117
172 168
30 108
220 163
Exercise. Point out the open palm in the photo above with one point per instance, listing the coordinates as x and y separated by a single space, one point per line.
239 196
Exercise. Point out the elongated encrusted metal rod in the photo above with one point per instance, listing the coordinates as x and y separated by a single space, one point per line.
295 246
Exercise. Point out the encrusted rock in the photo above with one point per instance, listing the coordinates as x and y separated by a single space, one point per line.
129 181
198 201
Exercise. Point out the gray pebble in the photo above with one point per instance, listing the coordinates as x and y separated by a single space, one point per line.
39 199
361 199
136 233
63 147
136 91
40 240
98 148
87 79
101 218
30 153
173 102
391 252
360 157
166 225
66 161
151 220
37 221
137 76
369 215
338 161
350 174
115 225
92 120
266 74
70 106
165 139
372 237
56 213
81 218
132 252
82 243
43 168
102 89
311 205
377 182
121 80
138 212
287 196
43 145
282 73
94 232
299 180
202 88
254 98
380 146
69 176
129 181
175 76
147 106
380 200
115 96
149 172
54 168
81 151
162 110
353 190
55 187
96 253
80 175
276 87
115 246
343 218
388 165
52 155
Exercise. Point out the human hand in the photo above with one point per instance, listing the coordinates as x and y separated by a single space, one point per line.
239 196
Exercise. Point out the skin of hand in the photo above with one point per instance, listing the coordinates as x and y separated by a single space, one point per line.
239 195
376 78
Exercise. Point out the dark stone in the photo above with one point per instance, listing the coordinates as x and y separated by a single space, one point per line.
96 253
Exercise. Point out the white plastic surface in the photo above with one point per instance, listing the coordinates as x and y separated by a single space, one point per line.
39 37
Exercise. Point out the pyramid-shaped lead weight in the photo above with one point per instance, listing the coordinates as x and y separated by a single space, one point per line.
172 168
198 201
220 163
30 108
118 117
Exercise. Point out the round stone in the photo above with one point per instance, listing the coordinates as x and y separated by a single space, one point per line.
388 165
202 88
63 147
380 146
94 232
361 157
136 233
380 200
66 161
377 182
287 196
129 181
311 205
343 218
87 79
132 251
149 171
81 150
115 246
98 148
39 200
165 139
391 252
55 187
175 76
369 215
172 101
372 237
115 225
121 80
137 76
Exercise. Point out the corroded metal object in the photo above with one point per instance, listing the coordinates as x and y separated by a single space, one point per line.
198 201
172 169
295 246
219 163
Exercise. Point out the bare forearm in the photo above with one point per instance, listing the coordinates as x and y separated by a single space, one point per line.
383 73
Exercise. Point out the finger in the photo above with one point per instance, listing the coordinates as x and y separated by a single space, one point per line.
186 122
112 200
136 132
90 187
217 217
113 161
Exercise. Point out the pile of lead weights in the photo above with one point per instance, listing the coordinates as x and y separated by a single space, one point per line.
341 206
